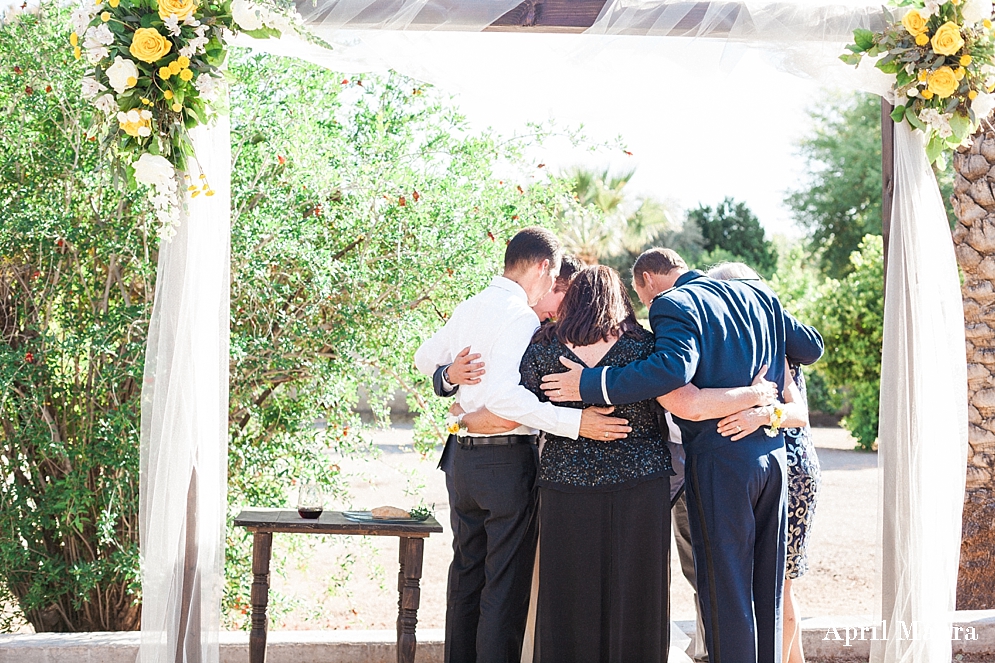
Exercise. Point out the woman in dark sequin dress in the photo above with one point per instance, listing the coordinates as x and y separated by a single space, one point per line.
603 535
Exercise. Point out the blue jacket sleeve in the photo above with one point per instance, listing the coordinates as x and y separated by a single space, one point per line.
671 366
439 386
803 344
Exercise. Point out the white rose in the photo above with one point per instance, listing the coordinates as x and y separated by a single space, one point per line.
119 73
983 105
245 15
91 87
976 11
153 169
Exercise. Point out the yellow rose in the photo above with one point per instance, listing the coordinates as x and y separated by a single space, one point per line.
181 8
186 75
148 45
914 23
947 39
922 40
943 82
965 60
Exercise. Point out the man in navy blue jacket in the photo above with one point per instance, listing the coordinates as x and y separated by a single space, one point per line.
715 333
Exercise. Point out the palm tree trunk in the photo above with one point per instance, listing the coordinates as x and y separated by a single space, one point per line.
974 239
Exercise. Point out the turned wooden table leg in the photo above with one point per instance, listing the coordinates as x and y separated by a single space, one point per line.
409 596
262 546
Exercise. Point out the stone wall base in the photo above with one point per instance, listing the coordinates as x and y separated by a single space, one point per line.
820 642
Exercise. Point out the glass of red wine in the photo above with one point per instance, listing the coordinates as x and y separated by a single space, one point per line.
310 501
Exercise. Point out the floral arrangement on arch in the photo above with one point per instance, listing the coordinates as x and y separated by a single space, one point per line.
942 55
157 73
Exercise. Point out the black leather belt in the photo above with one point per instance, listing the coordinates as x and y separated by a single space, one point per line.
468 442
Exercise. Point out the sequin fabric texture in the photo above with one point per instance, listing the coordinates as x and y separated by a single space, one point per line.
584 464
804 477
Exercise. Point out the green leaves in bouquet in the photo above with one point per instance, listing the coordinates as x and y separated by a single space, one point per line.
263 33
863 39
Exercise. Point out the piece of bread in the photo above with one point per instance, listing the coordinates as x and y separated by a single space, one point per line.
389 512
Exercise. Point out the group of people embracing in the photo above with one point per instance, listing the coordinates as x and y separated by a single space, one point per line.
578 435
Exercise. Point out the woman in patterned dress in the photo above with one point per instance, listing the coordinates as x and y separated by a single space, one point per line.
804 475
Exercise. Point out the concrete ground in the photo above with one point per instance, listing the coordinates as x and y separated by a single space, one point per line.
349 583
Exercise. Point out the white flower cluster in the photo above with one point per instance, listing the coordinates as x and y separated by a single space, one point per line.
82 16
95 42
156 172
250 16
196 45
940 122
975 11
209 87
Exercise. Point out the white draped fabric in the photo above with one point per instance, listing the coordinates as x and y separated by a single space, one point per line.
923 404
184 456
923 427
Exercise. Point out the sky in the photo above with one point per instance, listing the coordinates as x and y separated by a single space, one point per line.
703 120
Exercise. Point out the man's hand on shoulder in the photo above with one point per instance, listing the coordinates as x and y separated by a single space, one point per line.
595 424
465 368
564 387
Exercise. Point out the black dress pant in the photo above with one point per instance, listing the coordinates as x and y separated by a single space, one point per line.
494 540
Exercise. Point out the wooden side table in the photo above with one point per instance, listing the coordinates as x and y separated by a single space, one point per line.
263 523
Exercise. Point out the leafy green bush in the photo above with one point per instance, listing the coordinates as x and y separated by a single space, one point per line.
364 211
850 315
76 281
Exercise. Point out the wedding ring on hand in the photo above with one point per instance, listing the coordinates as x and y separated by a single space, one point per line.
607 435
739 429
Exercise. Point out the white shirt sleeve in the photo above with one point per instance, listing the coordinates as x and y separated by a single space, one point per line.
506 396
435 351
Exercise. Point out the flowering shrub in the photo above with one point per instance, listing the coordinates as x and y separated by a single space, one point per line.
157 73
942 55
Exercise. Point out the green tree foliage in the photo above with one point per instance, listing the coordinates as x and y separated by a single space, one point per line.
364 211
850 315
730 231
840 200
76 281
597 222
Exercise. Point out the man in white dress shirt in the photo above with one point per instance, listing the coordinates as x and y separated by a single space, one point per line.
492 476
